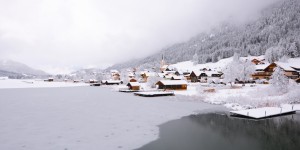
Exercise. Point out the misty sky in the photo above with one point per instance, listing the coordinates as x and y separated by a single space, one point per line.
60 35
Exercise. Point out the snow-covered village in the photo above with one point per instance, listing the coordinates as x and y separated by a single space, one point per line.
78 75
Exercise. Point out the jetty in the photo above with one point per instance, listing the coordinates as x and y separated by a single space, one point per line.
155 93
95 84
262 113
126 90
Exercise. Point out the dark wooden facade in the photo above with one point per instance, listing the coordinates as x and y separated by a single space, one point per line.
268 71
134 87
179 86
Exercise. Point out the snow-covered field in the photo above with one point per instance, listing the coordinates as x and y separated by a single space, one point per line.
218 66
86 118
241 97
31 83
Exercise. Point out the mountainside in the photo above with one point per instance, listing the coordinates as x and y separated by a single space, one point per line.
18 70
277 30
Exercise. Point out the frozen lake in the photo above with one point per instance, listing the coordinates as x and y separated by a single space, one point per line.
85 118
219 132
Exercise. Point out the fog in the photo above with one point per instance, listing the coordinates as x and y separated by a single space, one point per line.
62 35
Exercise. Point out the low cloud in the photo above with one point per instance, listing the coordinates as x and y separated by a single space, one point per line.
75 33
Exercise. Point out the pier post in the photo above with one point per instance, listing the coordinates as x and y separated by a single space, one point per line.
265 113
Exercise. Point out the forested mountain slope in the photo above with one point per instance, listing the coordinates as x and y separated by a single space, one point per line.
277 31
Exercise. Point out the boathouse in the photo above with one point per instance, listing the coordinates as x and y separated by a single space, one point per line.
132 80
112 82
172 84
135 86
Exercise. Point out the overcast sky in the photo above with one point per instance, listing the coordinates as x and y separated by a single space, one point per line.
61 35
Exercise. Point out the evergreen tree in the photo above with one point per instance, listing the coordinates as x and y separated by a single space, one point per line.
293 50
279 81
246 69
232 72
195 59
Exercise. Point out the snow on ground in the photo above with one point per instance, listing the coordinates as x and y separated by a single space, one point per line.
217 66
31 83
241 97
85 118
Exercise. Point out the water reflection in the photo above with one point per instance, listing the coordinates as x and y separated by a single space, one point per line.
221 132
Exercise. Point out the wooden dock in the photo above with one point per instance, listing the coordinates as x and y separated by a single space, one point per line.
154 94
95 84
126 90
262 113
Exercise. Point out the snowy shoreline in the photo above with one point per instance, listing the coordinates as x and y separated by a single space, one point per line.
35 83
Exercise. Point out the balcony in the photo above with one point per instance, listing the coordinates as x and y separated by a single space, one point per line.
262 74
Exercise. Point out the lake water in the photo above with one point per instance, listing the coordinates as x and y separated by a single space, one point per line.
215 131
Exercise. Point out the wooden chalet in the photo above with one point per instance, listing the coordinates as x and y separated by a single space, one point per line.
92 81
257 61
265 72
176 78
298 80
115 75
169 72
164 68
131 75
261 73
145 75
172 84
132 80
112 82
290 72
49 80
197 76
182 73
135 86
76 81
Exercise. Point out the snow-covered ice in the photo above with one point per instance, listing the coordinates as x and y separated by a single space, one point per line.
85 118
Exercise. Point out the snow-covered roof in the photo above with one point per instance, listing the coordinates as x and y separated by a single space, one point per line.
176 77
285 66
134 84
173 82
179 72
130 74
150 74
169 72
161 75
210 73
198 73
111 81
261 67
91 80
168 76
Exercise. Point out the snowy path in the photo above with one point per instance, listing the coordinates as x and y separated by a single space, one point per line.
84 118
